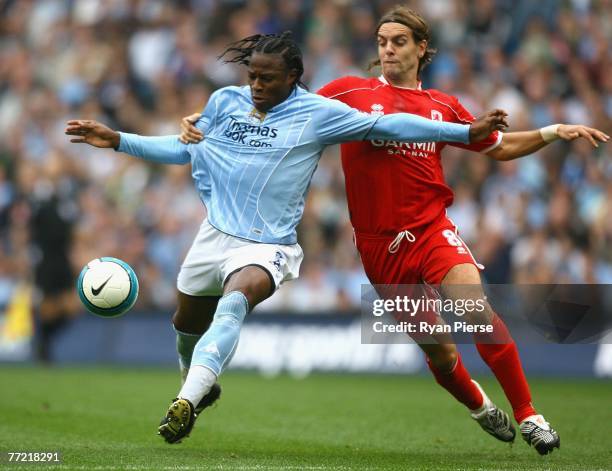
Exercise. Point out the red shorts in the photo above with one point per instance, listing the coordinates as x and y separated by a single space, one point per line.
436 248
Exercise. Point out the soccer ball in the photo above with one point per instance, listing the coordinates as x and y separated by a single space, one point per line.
108 287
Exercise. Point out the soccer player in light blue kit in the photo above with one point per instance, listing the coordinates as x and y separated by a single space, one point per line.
252 171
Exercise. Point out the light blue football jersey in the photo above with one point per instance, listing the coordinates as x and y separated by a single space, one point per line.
253 169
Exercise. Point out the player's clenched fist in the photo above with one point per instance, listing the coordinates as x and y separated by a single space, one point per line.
495 120
92 133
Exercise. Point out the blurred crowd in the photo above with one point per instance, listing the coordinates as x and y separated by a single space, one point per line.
140 65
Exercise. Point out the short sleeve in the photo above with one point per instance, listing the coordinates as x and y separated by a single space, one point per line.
465 117
341 123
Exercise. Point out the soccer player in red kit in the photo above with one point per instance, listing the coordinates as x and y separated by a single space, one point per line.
402 232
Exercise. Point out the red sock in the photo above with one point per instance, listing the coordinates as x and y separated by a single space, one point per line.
504 361
459 383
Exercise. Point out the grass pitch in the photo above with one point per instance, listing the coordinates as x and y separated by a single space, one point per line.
105 418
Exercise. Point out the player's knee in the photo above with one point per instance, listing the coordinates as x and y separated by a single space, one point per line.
482 316
194 313
252 281
183 322
444 359
178 322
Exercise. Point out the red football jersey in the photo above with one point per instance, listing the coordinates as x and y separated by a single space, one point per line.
393 185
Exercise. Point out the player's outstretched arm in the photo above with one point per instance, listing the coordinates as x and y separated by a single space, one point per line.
189 133
519 144
159 149
407 127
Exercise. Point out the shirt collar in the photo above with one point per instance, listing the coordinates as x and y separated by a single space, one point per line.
384 80
295 92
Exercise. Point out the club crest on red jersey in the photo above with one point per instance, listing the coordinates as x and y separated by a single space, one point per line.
436 115
377 110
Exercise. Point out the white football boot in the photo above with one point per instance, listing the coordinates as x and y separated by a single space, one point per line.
493 420
537 432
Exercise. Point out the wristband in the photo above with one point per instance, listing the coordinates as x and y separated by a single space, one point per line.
550 133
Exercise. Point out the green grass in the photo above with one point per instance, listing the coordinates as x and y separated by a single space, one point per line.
105 418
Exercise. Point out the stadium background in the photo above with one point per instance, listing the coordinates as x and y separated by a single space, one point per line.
142 65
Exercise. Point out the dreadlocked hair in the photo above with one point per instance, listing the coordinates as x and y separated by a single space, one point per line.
282 44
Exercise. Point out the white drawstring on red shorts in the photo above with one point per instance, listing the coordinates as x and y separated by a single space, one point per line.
395 245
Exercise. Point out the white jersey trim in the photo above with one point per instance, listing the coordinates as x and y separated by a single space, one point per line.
385 81
352 90
447 105
500 136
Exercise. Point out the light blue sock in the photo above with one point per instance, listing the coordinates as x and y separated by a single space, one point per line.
216 347
185 343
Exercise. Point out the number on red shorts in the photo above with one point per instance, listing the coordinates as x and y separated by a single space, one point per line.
452 238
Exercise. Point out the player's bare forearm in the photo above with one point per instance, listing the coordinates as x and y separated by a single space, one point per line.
520 144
